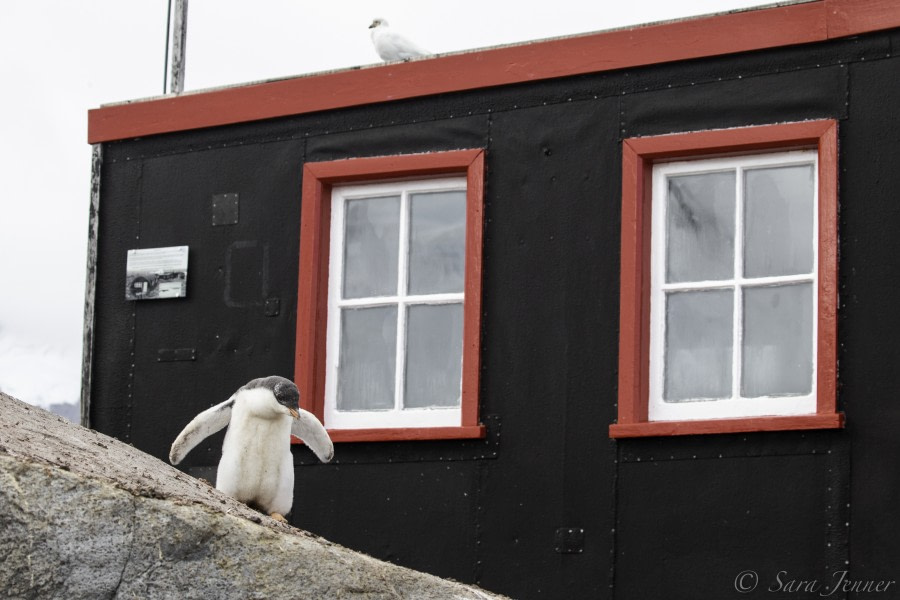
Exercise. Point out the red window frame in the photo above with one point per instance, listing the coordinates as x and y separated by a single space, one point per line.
638 158
312 293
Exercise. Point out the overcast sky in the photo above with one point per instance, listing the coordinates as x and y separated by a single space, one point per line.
62 57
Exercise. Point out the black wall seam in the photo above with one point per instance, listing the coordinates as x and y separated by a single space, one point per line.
611 576
129 400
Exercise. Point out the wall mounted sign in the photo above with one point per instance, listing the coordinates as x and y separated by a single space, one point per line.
156 273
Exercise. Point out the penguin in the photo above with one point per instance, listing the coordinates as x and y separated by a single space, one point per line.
256 465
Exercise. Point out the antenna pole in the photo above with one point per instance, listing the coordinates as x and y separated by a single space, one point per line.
179 39
168 38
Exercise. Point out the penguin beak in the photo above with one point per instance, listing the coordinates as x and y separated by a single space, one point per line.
294 413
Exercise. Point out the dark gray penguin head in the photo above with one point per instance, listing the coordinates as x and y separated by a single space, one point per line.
284 390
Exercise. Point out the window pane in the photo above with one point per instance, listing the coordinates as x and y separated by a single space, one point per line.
779 221
371 239
698 345
434 355
700 227
367 358
437 242
777 343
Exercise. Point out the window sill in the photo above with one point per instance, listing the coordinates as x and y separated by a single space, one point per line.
744 425
405 434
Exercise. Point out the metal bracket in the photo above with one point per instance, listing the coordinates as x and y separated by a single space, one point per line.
273 307
569 540
225 208
175 354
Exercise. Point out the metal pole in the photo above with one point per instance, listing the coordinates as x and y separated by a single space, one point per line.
168 43
179 38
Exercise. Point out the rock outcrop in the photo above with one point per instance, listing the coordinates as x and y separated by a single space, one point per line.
83 515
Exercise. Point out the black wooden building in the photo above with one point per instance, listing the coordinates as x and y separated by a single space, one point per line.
555 474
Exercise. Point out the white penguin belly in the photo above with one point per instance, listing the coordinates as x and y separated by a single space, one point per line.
256 466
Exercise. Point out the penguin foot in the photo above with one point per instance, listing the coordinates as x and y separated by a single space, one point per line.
278 517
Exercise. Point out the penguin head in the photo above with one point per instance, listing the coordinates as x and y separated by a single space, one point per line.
285 392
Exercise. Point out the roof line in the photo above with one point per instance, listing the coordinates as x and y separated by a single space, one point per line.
227 86
713 35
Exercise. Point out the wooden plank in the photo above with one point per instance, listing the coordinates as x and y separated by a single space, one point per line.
829 249
743 425
405 434
632 396
852 17
90 287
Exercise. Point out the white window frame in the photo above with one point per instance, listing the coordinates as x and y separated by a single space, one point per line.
659 410
396 417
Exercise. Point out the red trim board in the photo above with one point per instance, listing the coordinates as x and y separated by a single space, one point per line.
700 37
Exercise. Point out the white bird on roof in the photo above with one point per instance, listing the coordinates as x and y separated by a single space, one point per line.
257 466
393 46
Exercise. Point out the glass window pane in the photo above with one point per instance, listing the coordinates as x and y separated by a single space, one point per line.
698 350
371 241
437 242
367 358
434 355
779 221
777 342
700 214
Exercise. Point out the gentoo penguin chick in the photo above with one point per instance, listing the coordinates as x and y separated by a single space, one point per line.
256 466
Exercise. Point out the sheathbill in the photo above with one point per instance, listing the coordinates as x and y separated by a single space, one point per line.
256 465
393 46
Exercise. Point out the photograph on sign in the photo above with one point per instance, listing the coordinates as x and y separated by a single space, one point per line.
156 273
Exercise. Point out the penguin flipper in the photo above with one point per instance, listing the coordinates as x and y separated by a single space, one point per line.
307 427
201 427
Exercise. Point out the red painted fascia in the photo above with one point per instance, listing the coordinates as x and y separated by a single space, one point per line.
759 29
